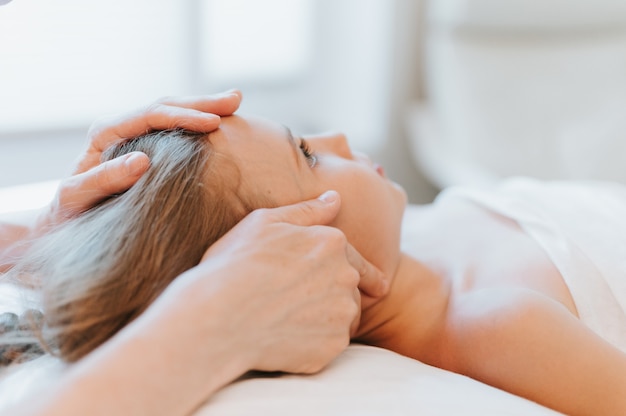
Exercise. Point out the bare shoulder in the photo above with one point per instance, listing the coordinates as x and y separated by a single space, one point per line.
525 342
481 317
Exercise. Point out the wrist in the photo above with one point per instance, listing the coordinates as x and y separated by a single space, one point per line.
195 317
165 353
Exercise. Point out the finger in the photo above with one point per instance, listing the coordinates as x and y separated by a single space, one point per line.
320 211
106 132
164 117
109 178
354 326
157 117
223 104
372 281
199 114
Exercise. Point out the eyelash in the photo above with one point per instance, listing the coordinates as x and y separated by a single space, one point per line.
308 153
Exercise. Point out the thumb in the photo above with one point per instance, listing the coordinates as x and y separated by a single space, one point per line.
80 192
320 211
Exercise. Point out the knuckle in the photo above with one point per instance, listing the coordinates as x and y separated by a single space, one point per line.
164 100
349 309
317 368
306 210
314 367
67 187
98 126
341 342
64 199
337 235
350 276
103 176
333 237
259 215
155 107
360 269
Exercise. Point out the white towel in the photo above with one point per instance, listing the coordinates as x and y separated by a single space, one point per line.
582 228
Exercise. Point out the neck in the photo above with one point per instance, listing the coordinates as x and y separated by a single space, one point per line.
409 319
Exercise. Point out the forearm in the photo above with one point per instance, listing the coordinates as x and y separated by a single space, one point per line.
158 365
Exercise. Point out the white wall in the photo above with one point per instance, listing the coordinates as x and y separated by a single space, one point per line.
64 63
523 88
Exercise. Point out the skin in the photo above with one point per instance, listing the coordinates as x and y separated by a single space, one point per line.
274 150
475 295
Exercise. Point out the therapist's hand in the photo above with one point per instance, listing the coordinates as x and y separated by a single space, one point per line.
289 297
279 292
200 114
92 181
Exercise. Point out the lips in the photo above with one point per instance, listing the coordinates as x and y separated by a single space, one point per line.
379 169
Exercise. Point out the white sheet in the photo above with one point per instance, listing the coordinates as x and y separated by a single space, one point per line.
361 381
581 227
369 381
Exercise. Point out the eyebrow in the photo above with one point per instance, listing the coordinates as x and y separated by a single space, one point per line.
292 144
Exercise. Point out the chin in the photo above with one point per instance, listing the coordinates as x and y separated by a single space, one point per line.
405 198
402 197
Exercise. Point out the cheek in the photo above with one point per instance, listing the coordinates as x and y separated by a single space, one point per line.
371 216
269 185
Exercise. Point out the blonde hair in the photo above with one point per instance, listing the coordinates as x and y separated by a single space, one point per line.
99 271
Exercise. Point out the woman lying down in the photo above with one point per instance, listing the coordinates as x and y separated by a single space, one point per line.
522 287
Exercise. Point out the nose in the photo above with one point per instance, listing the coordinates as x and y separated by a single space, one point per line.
335 143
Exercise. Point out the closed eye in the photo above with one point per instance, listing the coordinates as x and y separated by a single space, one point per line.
308 153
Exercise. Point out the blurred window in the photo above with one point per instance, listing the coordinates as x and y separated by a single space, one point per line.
65 62
252 41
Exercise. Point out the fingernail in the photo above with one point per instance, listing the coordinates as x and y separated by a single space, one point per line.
233 92
135 163
328 197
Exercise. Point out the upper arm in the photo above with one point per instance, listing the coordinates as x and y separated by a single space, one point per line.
532 346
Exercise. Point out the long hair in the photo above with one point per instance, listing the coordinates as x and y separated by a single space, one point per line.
100 270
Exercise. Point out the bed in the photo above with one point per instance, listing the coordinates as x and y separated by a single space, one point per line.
363 380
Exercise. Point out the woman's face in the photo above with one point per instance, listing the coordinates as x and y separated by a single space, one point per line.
277 166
